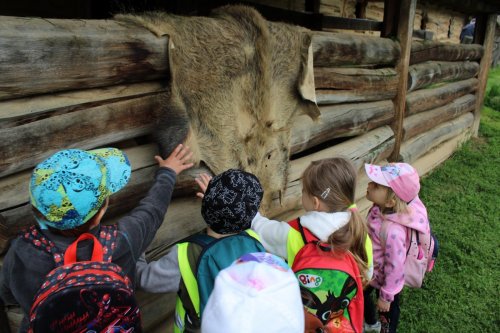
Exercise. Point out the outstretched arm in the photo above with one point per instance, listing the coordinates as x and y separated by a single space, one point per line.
141 224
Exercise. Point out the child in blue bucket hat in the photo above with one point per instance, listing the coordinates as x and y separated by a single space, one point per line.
69 194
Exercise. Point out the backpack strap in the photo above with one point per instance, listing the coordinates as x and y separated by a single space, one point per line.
107 237
97 251
34 235
306 235
187 273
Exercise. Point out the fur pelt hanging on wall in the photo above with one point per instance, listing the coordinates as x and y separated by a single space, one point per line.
237 81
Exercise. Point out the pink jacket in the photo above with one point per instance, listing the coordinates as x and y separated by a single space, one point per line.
388 262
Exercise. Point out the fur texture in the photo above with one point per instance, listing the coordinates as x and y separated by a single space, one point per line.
237 81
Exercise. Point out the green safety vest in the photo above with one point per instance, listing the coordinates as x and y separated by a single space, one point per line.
191 284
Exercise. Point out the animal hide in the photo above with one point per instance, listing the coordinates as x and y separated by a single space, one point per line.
237 81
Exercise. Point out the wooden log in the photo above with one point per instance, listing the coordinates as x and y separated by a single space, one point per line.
75 54
439 154
424 74
426 99
87 128
23 110
422 51
355 78
341 120
341 49
417 146
404 34
329 96
484 67
424 121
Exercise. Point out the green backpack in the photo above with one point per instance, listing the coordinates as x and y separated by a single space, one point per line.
201 258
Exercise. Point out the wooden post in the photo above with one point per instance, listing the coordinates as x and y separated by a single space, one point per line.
484 66
404 35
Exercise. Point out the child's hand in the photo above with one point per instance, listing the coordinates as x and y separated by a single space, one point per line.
202 182
383 306
178 160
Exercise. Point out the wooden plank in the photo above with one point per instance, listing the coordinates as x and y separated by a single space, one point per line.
355 78
54 51
341 120
87 128
417 146
426 99
424 74
22 110
424 121
404 35
342 49
422 51
439 154
331 96
484 68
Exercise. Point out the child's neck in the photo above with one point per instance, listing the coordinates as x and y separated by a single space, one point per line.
214 234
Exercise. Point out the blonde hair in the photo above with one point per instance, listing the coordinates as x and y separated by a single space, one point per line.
333 181
400 207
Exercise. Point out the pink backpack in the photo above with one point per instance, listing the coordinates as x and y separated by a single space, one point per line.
420 255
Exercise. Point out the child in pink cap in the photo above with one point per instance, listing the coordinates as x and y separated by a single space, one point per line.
396 207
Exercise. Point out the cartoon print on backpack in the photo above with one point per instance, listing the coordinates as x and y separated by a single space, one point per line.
110 310
332 314
84 296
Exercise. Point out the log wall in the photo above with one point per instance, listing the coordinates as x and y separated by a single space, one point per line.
103 89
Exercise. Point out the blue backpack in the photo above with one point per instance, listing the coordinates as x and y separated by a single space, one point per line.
201 257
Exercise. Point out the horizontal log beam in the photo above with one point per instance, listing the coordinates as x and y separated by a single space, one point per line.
343 120
23 110
330 96
424 121
417 146
426 99
88 128
340 49
422 51
49 55
424 74
355 78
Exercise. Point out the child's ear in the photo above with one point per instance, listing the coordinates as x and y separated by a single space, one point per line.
316 203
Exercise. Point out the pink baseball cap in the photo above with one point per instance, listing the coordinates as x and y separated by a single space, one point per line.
402 178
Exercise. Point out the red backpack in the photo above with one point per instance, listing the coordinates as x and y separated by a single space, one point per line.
330 285
83 296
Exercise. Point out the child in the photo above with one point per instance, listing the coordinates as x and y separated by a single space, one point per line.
257 293
328 191
69 194
394 192
230 201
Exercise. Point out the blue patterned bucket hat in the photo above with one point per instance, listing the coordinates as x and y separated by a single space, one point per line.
69 187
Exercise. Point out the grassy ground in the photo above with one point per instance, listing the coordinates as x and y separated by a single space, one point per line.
462 196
